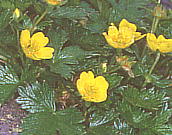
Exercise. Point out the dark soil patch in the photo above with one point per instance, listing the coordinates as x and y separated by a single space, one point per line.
10 118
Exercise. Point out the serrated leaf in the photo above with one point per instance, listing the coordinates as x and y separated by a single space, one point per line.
113 79
8 83
62 69
147 99
48 123
128 9
68 122
36 98
70 55
122 127
57 38
65 60
96 24
72 12
40 123
163 83
101 117
101 130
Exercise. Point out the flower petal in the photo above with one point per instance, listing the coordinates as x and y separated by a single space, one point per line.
125 23
113 32
165 45
39 40
152 41
25 39
44 53
137 35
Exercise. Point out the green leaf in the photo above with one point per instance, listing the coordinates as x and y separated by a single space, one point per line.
57 38
4 18
40 123
113 79
8 83
96 24
72 12
101 130
71 55
65 59
68 122
100 117
163 83
131 10
48 123
147 99
122 127
62 69
135 116
36 98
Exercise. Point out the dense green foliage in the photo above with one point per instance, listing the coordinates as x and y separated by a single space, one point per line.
139 101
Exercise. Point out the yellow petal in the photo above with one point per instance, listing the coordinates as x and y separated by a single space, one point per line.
90 75
113 32
25 38
31 56
102 86
81 86
165 45
53 2
125 23
126 36
161 38
44 53
152 41
39 40
137 35
110 41
83 75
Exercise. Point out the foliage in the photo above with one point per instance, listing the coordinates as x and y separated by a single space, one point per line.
139 97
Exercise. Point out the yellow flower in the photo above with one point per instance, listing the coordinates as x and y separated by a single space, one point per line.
160 43
124 37
53 2
34 47
92 89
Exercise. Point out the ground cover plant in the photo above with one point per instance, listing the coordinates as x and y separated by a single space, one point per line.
88 67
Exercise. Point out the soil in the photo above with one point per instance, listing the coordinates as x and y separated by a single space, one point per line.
10 118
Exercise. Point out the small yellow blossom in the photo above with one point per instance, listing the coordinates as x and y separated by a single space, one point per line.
124 37
16 13
92 89
160 43
34 47
53 2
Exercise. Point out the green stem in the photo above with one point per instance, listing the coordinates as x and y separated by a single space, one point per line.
154 64
38 21
154 24
153 29
19 48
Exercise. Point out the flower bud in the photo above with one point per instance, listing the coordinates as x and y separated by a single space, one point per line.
16 13
53 2
160 12
104 67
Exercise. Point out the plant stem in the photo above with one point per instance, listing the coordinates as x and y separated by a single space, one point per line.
38 21
154 64
154 24
19 48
